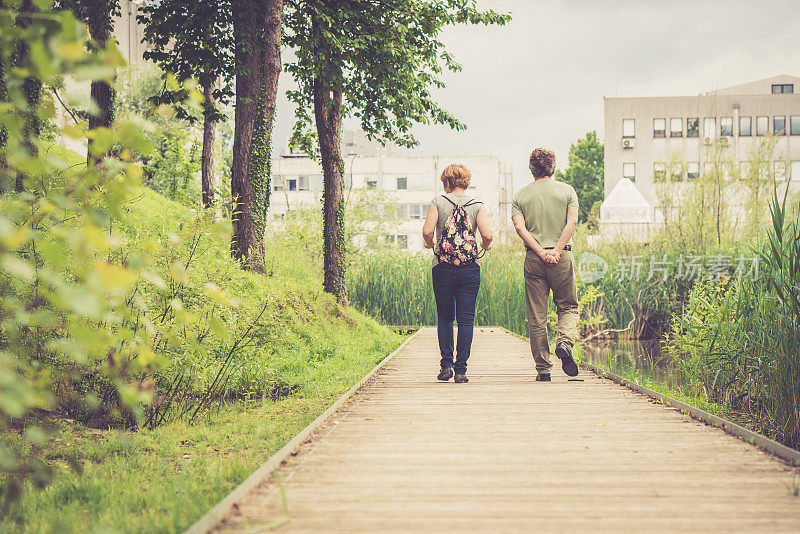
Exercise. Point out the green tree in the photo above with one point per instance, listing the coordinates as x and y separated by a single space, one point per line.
257 33
194 40
585 173
378 62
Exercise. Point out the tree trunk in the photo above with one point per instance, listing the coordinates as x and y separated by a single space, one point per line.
209 133
102 92
328 119
257 32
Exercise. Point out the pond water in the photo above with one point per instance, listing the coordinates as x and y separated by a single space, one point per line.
625 357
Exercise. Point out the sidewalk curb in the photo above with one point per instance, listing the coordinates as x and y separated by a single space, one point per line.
218 512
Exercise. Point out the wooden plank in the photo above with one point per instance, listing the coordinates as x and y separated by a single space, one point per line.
506 453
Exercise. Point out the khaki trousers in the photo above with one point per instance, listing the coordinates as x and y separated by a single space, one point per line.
540 279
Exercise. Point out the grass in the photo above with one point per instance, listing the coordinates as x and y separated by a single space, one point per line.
162 480
304 354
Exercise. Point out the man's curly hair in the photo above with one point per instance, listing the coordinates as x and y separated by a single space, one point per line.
542 162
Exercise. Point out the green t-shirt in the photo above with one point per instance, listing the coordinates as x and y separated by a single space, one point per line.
543 203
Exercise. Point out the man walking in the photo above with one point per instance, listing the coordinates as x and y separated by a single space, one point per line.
545 215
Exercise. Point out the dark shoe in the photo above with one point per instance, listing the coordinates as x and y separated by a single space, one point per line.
564 353
544 377
445 374
461 379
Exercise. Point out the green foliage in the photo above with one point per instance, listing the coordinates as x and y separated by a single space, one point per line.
736 341
385 57
63 285
174 166
97 14
191 40
585 174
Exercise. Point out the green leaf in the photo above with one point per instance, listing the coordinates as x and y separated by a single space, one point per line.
18 267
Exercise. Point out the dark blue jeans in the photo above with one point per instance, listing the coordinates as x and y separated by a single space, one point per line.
456 291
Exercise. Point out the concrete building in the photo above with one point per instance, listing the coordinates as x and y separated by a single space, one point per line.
407 183
643 134
129 33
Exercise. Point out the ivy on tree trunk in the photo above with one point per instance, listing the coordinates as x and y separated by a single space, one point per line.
328 119
257 31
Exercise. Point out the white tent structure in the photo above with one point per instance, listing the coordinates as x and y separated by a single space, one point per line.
625 214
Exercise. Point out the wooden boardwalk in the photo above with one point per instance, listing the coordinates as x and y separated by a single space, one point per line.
506 454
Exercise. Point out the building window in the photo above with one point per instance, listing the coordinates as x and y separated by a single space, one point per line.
302 183
292 184
659 127
782 88
402 182
745 126
794 125
277 187
629 171
779 125
659 171
762 126
726 126
692 170
709 127
628 128
416 211
676 127
402 241
795 171
780 170
402 211
693 127
372 183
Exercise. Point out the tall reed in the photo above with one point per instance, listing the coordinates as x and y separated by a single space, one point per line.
396 288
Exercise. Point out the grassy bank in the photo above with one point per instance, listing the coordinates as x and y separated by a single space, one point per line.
246 361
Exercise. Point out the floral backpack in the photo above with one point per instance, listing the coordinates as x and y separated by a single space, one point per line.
457 244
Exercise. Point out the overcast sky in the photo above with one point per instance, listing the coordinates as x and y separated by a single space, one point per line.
540 80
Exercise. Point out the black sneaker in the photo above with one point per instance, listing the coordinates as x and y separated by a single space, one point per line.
564 353
544 377
445 374
461 379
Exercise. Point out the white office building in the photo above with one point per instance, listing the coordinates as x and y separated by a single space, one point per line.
408 183
643 134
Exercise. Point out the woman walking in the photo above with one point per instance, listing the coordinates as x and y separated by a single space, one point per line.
452 220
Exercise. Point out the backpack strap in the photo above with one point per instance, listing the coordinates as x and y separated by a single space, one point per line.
450 201
472 202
